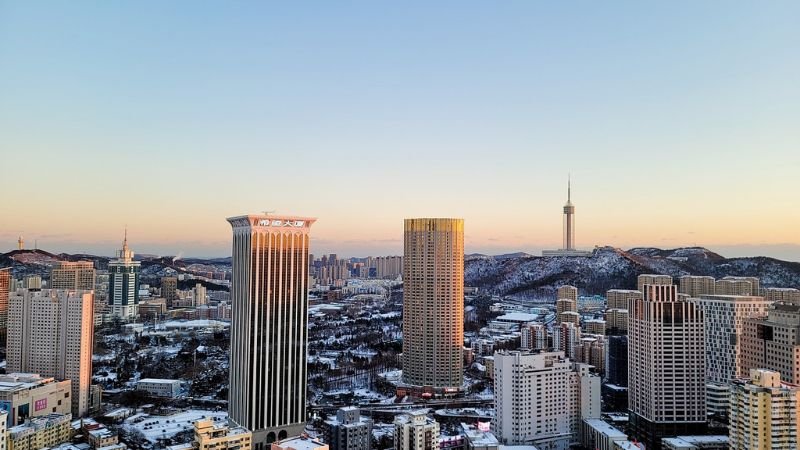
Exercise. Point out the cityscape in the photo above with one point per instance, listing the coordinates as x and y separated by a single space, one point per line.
373 226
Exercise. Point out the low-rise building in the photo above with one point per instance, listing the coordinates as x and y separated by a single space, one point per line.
211 436
40 432
712 442
599 435
159 387
26 395
300 443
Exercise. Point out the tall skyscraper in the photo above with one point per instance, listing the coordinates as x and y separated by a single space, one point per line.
123 284
79 275
433 303
764 413
269 300
724 317
666 365
5 284
50 332
169 289
541 398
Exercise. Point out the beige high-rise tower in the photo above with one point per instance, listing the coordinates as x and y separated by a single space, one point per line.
433 303
50 332
269 300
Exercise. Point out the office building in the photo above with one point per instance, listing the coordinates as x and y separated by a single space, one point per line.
774 342
211 436
269 300
615 388
433 303
541 399
26 395
169 289
79 275
416 431
568 244
651 279
783 295
666 365
159 387
123 284
50 332
348 430
764 413
618 298
724 317
5 289
40 432
695 286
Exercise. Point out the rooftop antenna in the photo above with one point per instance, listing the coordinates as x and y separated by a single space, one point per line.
569 187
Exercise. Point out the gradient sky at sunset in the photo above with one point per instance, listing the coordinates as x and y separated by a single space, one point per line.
679 122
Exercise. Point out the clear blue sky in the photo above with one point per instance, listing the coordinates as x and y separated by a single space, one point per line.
679 121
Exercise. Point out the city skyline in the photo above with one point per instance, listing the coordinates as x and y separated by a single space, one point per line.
691 108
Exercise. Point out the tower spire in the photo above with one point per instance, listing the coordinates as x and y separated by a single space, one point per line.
125 240
569 188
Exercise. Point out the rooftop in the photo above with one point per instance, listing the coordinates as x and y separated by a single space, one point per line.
605 428
301 443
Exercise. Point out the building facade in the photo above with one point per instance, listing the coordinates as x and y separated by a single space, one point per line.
416 431
51 332
169 289
78 275
348 430
433 303
40 432
269 299
695 286
5 287
541 399
724 317
211 436
666 364
764 413
26 395
774 342
123 284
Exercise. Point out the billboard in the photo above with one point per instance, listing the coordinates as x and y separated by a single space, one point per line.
40 404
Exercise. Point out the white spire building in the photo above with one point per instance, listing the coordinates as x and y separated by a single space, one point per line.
568 246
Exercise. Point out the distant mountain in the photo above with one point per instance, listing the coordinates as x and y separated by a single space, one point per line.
609 268
510 274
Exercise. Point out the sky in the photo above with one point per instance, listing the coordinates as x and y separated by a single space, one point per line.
679 123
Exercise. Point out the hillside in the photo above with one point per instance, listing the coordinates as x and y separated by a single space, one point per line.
609 268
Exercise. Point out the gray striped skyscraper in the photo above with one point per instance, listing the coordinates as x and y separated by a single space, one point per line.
269 299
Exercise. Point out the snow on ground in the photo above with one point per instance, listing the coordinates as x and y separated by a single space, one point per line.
156 427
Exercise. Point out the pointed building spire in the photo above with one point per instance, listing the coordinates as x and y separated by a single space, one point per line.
569 188
125 241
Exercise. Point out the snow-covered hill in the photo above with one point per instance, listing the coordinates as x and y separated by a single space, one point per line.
610 268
